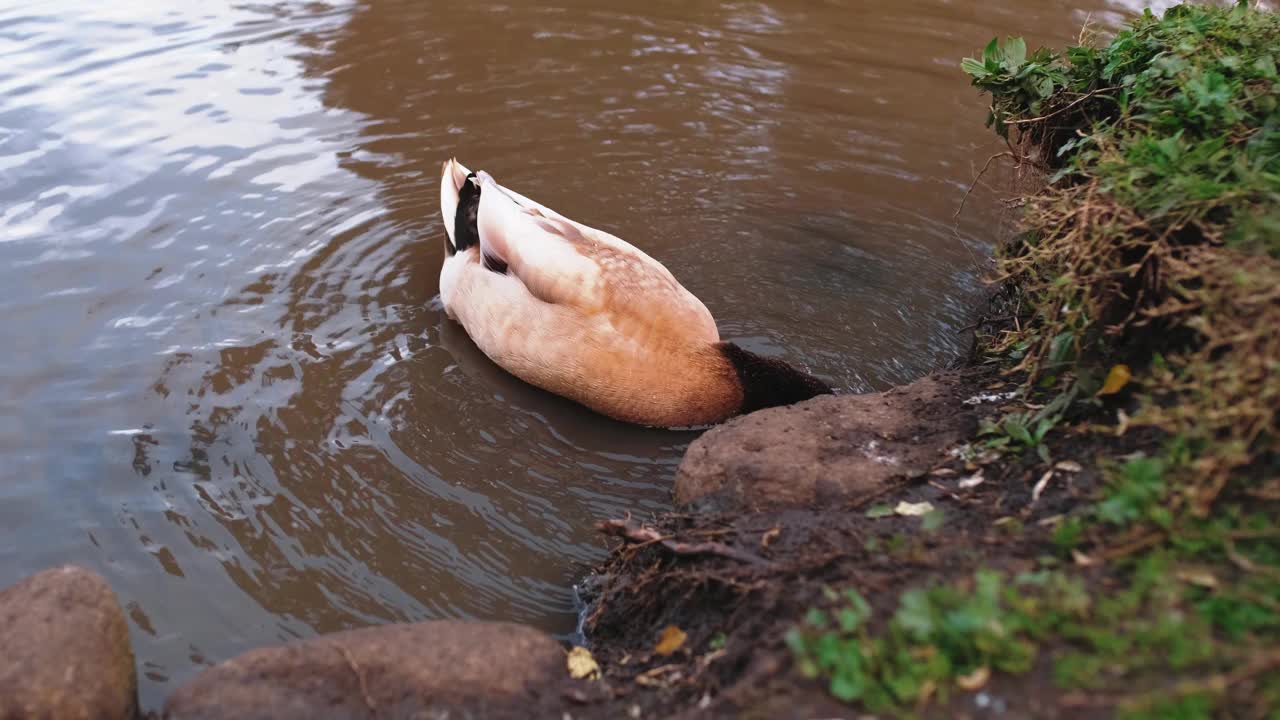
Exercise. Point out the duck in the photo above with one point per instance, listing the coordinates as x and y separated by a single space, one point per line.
583 314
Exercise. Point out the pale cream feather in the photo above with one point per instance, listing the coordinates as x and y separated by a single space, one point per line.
582 313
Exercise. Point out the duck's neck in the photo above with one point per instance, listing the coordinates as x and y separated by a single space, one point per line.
768 382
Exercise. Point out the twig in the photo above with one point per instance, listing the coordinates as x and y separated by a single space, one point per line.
1085 30
629 531
1213 683
984 321
1129 548
986 166
1062 109
1245 563
1253 534
649 678
866 499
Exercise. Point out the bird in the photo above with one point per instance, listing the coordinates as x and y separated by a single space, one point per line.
583 314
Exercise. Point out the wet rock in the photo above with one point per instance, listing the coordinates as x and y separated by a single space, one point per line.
436 669
64 649
826 450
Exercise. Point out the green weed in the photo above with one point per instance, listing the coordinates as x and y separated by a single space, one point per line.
1156 242
938 636
1154 248
1135 492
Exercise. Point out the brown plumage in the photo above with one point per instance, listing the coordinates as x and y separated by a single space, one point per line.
583 314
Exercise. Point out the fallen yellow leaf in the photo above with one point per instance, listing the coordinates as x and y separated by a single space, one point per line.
671 640
1117 378
975 679
582 664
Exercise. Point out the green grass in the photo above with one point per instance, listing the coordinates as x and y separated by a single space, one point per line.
950 635
1135 492
937 634
1153 248
1171 616
1156 241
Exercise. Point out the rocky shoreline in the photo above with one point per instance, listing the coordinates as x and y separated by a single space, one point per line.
68 656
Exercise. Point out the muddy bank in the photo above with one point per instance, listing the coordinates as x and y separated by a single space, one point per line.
1105 543
690 615
748 551
736 581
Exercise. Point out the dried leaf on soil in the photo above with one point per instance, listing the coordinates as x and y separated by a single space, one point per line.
672 639
1117 378
974 680
911 509
582 665
1040 486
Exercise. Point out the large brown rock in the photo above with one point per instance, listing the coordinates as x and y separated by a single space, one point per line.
424 670
826 450
64 649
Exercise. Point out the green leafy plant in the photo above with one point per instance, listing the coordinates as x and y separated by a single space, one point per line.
1153 248
1006 70
1134 492
1159 234
937 634
1025 431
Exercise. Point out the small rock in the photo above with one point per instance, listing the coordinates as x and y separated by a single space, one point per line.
443 668
825 450
64 649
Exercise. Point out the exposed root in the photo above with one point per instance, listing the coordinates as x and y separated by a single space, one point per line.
630 531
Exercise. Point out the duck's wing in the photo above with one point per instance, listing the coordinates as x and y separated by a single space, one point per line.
572 265
554 261
567 263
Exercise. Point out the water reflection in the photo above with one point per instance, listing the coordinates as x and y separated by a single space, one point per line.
227 383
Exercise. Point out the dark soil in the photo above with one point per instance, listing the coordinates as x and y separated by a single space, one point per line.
735 610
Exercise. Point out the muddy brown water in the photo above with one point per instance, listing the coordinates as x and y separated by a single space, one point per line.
226 381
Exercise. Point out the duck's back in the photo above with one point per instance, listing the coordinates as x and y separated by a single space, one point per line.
578 311
566 263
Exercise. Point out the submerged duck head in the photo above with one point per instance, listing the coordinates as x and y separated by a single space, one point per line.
769 382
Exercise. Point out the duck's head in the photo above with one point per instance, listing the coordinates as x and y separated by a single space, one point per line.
769 382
